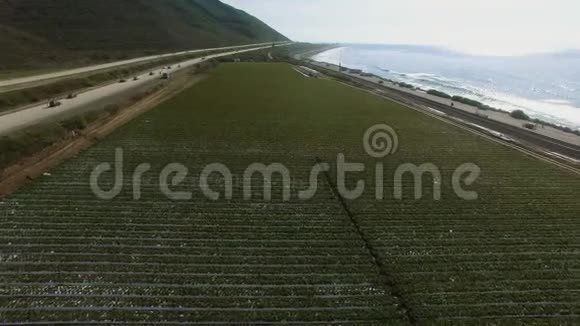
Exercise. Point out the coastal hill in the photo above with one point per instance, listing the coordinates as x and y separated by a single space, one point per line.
36 33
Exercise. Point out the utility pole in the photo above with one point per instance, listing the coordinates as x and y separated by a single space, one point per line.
340 60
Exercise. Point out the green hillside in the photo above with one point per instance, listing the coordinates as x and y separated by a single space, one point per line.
44 32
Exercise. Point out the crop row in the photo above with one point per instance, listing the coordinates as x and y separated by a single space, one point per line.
186 278
225 316
265 302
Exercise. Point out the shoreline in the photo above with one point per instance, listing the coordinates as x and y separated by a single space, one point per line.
499 115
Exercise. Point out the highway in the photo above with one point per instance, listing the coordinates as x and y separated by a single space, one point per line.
17 83
97 97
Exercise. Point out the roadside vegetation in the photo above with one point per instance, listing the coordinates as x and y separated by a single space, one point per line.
520 115
405 85
509 256
439 94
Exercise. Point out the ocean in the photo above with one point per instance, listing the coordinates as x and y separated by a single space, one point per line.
545 86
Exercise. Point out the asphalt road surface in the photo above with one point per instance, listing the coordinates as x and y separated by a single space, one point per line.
15 121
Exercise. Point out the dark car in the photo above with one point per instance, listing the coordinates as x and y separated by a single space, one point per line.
54 103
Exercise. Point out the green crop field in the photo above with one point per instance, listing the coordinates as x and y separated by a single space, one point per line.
511 256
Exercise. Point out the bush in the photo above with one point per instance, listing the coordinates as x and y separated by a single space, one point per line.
405 85
112 108
91 117
487 108
467 101
439 93
71 124
520 115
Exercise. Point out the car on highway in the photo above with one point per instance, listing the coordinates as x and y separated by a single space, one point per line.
54 103
531 126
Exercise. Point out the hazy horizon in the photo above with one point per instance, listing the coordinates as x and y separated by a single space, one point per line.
494 27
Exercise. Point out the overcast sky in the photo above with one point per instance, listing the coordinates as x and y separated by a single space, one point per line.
498 27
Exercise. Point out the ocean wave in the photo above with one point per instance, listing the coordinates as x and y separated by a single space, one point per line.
421 75
429 77
556 101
